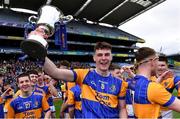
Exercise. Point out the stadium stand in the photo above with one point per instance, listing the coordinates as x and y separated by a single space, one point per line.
81 35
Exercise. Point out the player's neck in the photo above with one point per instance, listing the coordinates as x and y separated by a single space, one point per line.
26 94
144 71
103 73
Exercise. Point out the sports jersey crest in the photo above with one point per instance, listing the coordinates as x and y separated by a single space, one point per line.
113 88
27 105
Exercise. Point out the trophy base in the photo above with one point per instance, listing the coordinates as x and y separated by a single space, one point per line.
34 49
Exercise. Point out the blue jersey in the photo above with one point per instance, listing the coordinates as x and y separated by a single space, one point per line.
100 95
1 109
30 107
177 85
129 97
148 98
47 93
74 99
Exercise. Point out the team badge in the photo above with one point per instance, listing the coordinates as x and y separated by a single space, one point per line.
27 105
113 88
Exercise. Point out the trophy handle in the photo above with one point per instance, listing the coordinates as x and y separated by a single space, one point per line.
66 19
32 19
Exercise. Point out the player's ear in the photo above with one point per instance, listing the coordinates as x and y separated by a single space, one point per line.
94 58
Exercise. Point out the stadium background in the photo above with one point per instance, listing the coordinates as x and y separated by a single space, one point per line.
82 32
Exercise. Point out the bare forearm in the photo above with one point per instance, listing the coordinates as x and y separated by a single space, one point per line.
53 90
64 107
123 113
71 112
60 74
49 67
48 115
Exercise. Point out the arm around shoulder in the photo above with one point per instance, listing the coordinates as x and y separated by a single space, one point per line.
175 105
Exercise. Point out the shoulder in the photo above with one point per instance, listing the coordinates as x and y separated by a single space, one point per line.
38 94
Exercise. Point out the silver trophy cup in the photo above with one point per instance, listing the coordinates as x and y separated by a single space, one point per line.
35 45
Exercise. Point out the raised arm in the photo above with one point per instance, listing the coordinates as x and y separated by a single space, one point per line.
56 73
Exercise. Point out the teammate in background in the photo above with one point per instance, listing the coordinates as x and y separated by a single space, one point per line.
28 104
170 83
116 70
106 94
149 96
74 102
33 74
119 72
9 95
49 91
2 96
64 112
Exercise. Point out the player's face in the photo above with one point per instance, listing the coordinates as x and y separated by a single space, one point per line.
116 73
154 64
162 67
40 78
103 58
24 84
47 78
33 78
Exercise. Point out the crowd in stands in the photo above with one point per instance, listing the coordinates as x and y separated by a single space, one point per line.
44 86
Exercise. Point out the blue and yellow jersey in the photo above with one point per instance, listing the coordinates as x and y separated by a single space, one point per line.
148 98
170 84
47 94
1 108
30 107
37 90
153 78
74 99
1 100
1 111
129 97
8 100
100 95
68 86
177 85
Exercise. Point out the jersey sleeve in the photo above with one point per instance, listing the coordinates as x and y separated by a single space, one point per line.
17 93
10 112
122 94
1 100
45 105
79 75
70 100
158 94
177 85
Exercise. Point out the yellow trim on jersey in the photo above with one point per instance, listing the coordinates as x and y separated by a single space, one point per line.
78 105
90 94
35 113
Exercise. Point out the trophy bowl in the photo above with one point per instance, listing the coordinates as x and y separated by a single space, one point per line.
35 45
34 48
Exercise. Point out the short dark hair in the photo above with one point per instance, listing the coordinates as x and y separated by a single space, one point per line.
163 57
64 63
32 72
144 53
114 66
102 45
40 70
22 75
